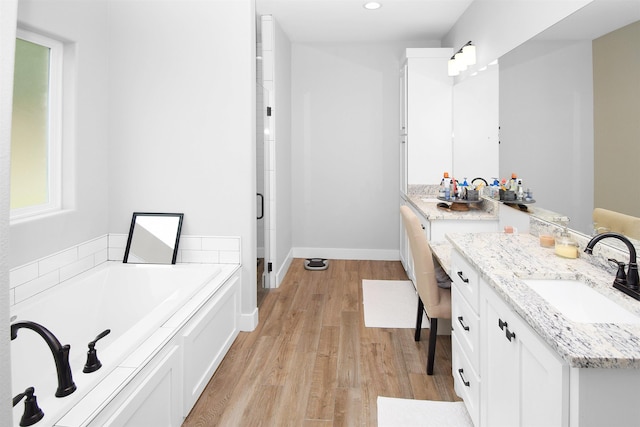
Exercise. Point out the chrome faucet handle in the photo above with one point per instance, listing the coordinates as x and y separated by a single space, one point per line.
32 412
93 364
621 276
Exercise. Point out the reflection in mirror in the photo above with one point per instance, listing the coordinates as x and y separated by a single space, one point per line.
553 130
475 125
153 238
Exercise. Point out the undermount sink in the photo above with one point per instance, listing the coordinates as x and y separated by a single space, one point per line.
578 302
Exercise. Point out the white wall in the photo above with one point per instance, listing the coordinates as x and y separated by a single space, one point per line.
345 108
182 119
283 171
8 14
546 119
82 25
496 27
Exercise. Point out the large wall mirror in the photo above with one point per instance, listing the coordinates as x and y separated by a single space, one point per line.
476 125
569 108
153 238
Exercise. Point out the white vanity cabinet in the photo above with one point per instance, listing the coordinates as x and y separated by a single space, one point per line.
425 115
524 383
465 334
405 250
504 372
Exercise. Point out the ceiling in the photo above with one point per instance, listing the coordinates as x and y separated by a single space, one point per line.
594 20
347 21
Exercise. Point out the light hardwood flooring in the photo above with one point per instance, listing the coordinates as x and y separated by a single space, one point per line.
312 362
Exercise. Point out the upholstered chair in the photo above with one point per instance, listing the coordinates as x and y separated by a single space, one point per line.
434 300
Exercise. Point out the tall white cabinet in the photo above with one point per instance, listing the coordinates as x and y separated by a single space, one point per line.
426 110
426 116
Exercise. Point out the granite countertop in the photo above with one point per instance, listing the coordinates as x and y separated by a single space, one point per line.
442 252
504 260
539 212
428 206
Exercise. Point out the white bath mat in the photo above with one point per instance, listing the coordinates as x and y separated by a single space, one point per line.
424 413
390 304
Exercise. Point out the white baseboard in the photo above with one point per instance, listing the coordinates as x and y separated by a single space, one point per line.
282 271
351 254
248 322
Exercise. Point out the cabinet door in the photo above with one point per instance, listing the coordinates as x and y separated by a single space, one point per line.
500 376
404 241
409 256
524 381
403 99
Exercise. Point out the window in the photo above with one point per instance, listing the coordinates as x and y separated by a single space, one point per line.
36 126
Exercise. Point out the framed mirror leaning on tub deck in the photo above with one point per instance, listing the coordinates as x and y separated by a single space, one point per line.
153 238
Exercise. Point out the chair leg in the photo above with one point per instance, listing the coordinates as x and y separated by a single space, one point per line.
433 331
419 319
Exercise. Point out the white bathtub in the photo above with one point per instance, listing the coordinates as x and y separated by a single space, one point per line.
131 300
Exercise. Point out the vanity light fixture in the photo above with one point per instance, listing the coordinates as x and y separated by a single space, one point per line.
372 5
464 57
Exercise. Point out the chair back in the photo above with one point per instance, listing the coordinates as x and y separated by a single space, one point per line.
617 222
425 276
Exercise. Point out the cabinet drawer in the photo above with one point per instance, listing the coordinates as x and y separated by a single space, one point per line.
466 327
465 381
465 279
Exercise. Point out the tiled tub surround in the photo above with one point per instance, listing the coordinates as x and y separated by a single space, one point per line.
32 278
170 327
504 260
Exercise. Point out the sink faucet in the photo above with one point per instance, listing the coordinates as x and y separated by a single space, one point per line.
66 386
632 273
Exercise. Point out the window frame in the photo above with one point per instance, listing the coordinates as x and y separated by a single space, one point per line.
55 127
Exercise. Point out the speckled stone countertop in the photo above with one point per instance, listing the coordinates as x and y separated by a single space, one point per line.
540 213
504 260
442 251
428 205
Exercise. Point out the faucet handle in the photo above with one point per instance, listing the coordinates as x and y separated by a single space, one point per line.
93 364
32 413
621 276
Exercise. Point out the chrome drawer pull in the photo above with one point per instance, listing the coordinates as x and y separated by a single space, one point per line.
461 276
465 382
465 327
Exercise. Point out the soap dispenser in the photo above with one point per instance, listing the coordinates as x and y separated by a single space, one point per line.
565 246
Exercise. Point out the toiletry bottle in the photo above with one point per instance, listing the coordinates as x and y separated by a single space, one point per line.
513 186
445 186
462 190
520 189
446 179
495 186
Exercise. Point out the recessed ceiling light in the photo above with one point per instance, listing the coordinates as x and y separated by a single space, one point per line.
372 5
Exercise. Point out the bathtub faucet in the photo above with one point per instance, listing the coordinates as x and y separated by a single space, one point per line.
66 386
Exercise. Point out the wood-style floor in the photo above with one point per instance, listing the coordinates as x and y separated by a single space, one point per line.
311 361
